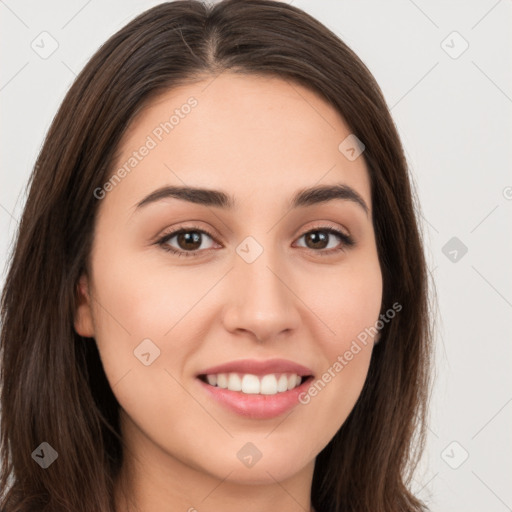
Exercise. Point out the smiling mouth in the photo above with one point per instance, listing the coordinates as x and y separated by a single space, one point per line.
250 384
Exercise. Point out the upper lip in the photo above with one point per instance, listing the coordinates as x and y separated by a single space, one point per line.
259 367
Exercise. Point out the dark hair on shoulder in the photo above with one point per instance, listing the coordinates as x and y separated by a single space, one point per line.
53 386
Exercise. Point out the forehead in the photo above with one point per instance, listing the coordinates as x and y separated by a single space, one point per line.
245 133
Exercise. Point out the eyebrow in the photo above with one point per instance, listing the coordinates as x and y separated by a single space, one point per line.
217 198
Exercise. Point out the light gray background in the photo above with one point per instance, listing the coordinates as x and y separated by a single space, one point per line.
454 118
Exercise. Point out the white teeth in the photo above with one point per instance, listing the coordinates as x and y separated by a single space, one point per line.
268 385
250 384
282 383
222 380
212 379
234 382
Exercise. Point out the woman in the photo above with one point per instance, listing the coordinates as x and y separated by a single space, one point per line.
218 295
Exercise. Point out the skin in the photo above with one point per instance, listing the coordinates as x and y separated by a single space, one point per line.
259 139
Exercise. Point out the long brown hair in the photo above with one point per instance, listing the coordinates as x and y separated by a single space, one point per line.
54 389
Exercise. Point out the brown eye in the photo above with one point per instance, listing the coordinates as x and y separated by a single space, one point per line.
319 239
189 241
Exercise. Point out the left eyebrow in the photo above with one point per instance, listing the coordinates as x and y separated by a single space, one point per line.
324 193
217 198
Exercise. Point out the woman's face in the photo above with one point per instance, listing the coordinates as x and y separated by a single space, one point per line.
257 277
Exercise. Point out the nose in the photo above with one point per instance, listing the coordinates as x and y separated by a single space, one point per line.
261 299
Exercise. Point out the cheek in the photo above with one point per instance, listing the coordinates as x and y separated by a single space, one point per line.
129 308
332 396
140 314
140 300
349 305
347 301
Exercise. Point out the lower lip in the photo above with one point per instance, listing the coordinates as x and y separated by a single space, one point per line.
257 406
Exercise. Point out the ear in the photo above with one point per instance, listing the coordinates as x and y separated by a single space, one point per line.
83 315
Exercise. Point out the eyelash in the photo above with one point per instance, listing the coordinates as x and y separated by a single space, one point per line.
346 240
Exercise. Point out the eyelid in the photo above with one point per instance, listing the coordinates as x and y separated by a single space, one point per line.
326 225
